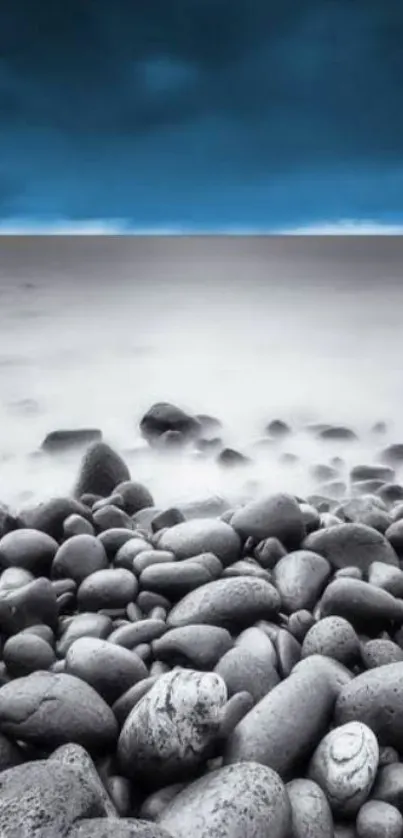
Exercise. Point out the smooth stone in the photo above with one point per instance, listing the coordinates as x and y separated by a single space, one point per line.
210 507
311 815
84 625
238 801
124 705
27 606
77 525
379 820
344 765
333 637
28 549
198 646
256 641
392 455
49 517
299 624
362 487
230 602
153 806
14 577
322 472
101 470
174 579
25 653
230 458
113 588
286 725
374 698
396 513
163 417
168 518
62 440
247 567
75 756
336 673
143 631
389 785
278 428
205 535
386 577
351 572
128 552
277 516
371 472
114 539
135 496
43 799
169 733
149 557
111 517
360 603
394 534
300 578
268 552
310 516
117 828
364 510
248 669
120 792
108 668
390 493
351 544
78 557
337 433
288 652
148 600
380 652
47 710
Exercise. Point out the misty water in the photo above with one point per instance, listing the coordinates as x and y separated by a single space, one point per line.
94 330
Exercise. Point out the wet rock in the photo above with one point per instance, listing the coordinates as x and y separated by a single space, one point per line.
49 710
277 428
198 646
49 517
387 577
390 493
206 535
269 552
248 668
113 588
57 442
174 579
229 458
101 470
351 544
108 668
168 518
310 517
311 816
323 472
392 455
337 433
299 624
163 417
42 799
169 733
336 673
78 557
300 578
380 652
117 828
374 699
364 510
236 601
129 550
77 525
135 496
28 605
25 653
28 549
344 765
389 785
76 757
379 820
283 729
84 625
132 634
360 603
335 638
241 801
149 557
277 516
371 472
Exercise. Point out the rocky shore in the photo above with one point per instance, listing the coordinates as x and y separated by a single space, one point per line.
211 670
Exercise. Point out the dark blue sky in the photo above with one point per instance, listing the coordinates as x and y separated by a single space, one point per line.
203 114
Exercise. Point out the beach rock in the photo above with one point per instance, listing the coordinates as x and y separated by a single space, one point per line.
78 557
372 472
211 506
288 652
238 801
380 652
362 604
149 557
374 699
174 579
198 646
117 828
124 705
364 510
28 549
268 552
43 799
111 517
337 433
130 635
163 417
101 470
76 757
108 668
299 624
379 820
392 455
237 601
283 729
129 550
245 668
8 522
28 605
135 496
277 428
300 578
48 710
311 517
335 638
49 517
344 765
311 816
389 785
84 625
57 442
14 577
277 516
230 458
25 653
351 544
168 518
112 588
336 673
77 525
387 577
169 733
206 535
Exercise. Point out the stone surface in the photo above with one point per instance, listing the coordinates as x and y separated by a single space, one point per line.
311 816
351 544
300 578
205 535
236 601
277 516
374 698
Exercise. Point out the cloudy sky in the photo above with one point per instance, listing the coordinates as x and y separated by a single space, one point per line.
201 114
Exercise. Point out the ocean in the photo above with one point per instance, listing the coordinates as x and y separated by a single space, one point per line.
95 329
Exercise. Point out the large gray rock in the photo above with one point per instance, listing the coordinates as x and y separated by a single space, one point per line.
163 417
28 549
374 698
204 535
238 801
117 828
300 578
277 516
101 470
43 799
287 724
48 710
235 601
351 545
310 811
108 668
76 757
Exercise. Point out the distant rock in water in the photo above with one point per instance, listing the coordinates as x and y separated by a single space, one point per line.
392 455
337 432
163 417
66 440
229 458
278 428
101 470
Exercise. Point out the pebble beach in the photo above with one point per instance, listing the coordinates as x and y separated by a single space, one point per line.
201 610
